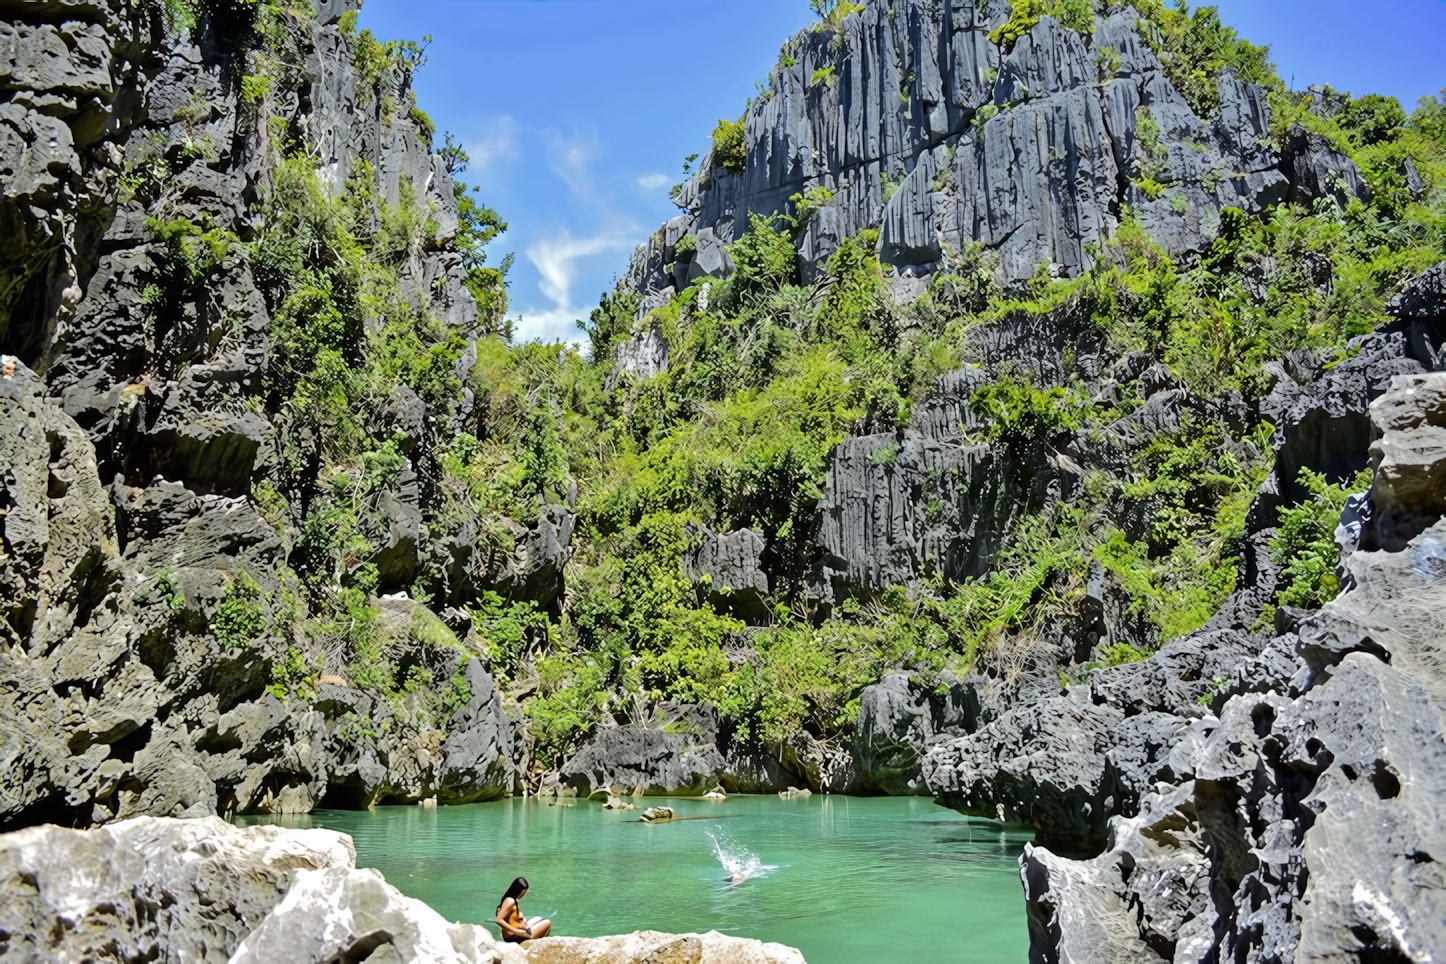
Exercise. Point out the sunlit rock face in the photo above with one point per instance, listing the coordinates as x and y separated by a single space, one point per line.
922 128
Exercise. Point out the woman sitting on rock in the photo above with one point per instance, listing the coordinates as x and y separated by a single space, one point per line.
515 927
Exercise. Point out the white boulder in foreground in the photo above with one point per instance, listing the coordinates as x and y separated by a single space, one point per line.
161 889
651 946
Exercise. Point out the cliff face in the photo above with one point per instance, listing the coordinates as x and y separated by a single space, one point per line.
1258 798
921 127
155 629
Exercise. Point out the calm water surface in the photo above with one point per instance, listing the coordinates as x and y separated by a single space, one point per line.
847 880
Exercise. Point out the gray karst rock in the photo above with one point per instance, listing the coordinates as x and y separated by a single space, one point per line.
1323 420
922 128
677 756
148 561
899 721
1299 824
898 505
1317 170
729 569
477 757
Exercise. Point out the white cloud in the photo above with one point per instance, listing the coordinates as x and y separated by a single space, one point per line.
653 181
558 324
569 157
497 143
556 260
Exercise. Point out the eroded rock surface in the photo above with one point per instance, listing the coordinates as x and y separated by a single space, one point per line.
679 756
922 128
1301 822
650 946
143 506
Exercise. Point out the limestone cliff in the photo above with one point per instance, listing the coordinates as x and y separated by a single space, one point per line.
161 656
919 126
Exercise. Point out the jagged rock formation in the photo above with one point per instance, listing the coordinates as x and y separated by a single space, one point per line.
900 720
1296 818
902 504
1067 765
133 406
148 889
679 756
922 128
729 569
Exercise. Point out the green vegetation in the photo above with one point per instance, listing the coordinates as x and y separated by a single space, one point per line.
832 13
768 370
1196 47
239 620
1078 15
730 148
1305 544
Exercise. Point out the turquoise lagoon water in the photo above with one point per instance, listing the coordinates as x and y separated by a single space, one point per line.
847 880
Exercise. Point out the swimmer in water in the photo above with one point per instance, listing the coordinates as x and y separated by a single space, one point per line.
515 927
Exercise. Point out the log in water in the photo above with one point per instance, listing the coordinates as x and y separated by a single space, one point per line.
846 880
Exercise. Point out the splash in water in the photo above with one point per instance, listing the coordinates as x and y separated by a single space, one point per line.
739 863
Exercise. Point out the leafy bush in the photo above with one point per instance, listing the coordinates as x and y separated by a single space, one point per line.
1196 47
1017 412
1077 15
730 147
764 257
1305 543
239 620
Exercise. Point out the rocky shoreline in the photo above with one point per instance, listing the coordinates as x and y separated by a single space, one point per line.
1287 811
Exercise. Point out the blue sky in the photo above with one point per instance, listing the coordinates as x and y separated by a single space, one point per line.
578 114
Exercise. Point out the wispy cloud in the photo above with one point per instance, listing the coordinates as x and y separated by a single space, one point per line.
569 156
556 260
652 182
497 142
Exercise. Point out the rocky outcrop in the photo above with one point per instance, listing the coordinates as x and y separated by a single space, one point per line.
203 889
922 499
161 889
922 128
678 756
728 568
1300 823
649 946
899 721
1316 170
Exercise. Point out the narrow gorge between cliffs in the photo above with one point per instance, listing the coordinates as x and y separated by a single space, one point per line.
1007 500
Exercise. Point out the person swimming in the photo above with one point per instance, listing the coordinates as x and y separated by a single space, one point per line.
515 927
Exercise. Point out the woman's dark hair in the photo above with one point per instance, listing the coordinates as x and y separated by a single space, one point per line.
515 891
